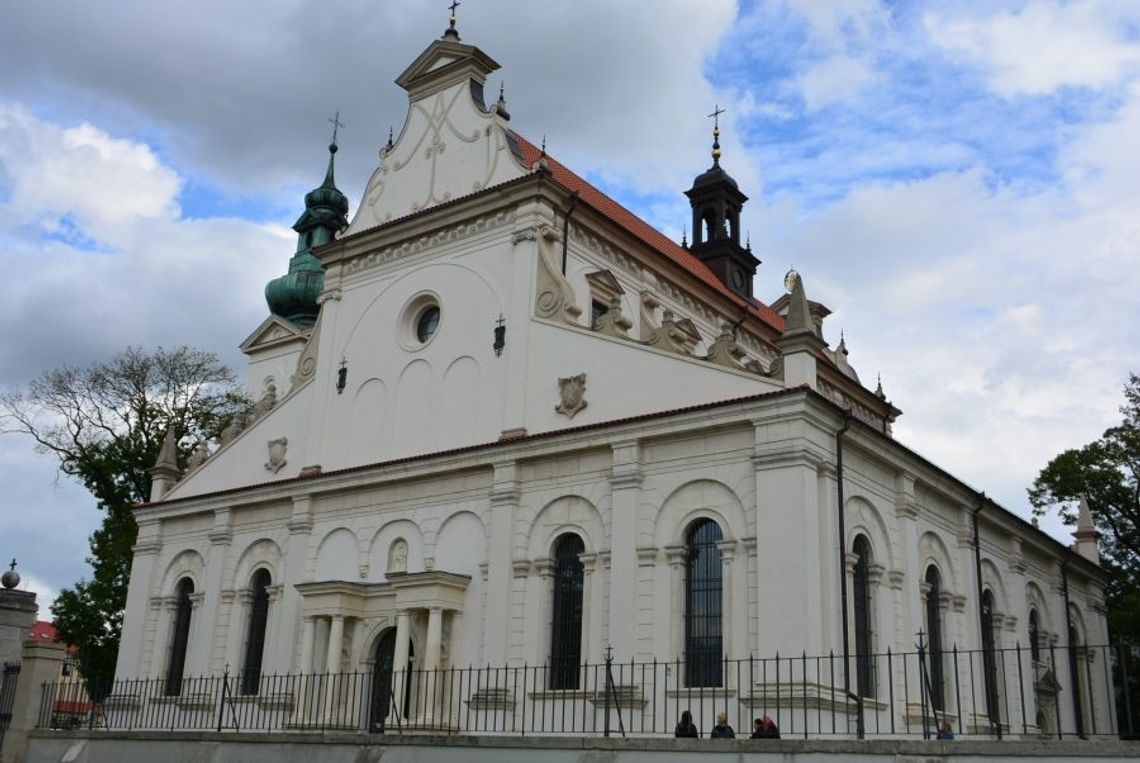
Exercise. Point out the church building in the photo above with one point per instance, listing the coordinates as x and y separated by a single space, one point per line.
502 421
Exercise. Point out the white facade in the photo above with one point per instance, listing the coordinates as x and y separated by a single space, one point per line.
426 493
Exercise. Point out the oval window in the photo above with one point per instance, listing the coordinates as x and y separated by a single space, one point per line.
427 323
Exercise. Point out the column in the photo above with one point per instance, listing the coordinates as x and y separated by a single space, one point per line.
233 613
336 643
727 611
676 557
400 664
220 536
305 683
786 460
132 659
332 666
154 650
625 479
504 500
591 611
538 586
434 639
286 609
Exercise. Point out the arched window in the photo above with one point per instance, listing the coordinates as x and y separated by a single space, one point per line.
703 584
1034 636
710 226
566 628
1075 655
180 638
989 656
255 636
861 583
934 637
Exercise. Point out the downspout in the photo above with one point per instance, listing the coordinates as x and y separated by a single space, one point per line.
566 229
847 417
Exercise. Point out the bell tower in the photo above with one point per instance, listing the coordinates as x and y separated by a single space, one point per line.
717 202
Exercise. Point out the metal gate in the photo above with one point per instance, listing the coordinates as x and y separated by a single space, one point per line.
7 695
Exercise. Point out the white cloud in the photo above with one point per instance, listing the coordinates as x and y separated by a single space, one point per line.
1044 46
839 79
1003 322
83 174
836 23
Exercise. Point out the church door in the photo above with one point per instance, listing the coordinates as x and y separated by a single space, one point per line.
383 696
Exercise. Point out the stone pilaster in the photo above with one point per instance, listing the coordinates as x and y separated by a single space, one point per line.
625 479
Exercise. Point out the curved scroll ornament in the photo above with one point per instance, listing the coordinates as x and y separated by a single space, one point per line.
667 336
554 296
725 351
307 363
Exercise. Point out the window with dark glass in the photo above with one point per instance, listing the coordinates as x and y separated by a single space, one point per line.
566 627
989 656
1075 652
1034 636
703 584
598 308
864 672
180 638
934 638
427 323
255 636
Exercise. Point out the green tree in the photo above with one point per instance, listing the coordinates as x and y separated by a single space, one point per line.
105 425
1107 473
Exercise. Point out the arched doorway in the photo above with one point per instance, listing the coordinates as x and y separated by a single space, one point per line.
383 690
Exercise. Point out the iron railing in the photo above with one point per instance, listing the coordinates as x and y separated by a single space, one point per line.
803 694
9 676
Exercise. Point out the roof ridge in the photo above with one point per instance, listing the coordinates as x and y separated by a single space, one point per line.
646 232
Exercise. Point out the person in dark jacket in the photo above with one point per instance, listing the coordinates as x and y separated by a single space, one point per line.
722 730
765 728
686 728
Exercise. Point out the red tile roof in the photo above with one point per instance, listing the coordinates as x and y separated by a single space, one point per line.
43 631
642 230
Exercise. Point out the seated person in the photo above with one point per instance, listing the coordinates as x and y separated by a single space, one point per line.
686 727
765 728
722 730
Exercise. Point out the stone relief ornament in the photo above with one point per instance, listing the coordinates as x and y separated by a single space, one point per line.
572 389
277 450
398 556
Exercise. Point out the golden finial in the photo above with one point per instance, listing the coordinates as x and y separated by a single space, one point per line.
716 133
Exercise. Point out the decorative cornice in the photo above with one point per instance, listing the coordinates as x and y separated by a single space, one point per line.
958 602
146 547
429 242
675 554
520 568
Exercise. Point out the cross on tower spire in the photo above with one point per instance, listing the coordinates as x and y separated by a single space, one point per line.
451 31
717 111
337 124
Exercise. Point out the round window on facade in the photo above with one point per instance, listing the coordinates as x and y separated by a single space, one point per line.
419 321
427 323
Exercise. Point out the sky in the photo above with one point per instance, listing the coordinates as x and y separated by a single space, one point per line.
959 182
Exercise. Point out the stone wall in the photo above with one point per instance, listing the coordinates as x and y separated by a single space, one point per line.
107 747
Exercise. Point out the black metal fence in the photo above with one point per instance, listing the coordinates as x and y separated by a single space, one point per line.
8 679
1007 694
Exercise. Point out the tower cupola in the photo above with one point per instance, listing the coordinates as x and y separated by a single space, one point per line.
717 203
294 295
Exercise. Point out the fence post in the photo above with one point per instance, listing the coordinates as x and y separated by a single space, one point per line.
606 700
40 665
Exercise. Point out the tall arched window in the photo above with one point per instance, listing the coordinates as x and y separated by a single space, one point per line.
703 584
861 583
566 628
989 656
180 638
1034 636
934 637
1075 654
255 636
